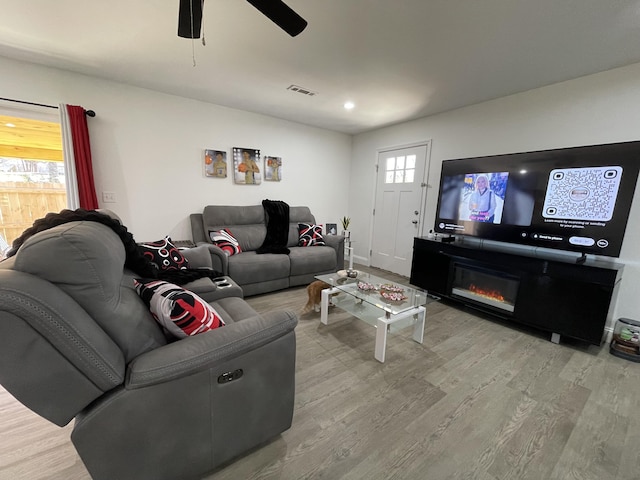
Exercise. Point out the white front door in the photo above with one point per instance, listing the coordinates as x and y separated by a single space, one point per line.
399 205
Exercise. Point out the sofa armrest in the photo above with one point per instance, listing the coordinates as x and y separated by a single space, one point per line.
200 352
198 257
337 242
219 259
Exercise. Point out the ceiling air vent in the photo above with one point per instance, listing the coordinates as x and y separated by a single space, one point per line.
302 90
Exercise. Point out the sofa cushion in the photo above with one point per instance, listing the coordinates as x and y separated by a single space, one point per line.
247 223
249 267
226 241
312 260
164 254
234 309
310 235
180 311
298 215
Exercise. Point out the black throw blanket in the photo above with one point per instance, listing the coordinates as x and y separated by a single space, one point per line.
134 260
277 216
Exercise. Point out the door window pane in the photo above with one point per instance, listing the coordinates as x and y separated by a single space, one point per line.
389 177
408 176
391 163
400 169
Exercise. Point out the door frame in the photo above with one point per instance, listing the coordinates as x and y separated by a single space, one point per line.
423 197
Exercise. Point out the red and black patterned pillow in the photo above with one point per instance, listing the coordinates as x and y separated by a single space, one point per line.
179 311
310 235
226 241
164 255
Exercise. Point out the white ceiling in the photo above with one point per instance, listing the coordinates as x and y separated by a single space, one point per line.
396 59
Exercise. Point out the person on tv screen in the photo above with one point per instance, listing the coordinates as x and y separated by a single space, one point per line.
482 203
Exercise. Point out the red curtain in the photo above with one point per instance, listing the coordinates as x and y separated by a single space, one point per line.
82 153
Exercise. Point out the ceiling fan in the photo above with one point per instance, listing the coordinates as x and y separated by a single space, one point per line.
190 17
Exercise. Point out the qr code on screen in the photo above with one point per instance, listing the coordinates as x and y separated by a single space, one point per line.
582 193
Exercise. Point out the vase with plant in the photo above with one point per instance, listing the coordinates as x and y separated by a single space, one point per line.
346 221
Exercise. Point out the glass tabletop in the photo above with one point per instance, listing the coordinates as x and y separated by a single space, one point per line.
391 297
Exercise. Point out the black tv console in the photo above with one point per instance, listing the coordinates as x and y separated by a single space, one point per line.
557 296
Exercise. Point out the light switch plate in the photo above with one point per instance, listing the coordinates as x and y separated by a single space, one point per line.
109 197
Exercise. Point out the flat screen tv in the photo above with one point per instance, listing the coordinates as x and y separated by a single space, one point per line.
575 199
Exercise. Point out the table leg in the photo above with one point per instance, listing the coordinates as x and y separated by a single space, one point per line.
418 329
324 306
383 324
381 339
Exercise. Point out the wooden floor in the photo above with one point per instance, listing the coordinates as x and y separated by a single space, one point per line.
478 400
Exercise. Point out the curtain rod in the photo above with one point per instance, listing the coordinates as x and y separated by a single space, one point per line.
89 113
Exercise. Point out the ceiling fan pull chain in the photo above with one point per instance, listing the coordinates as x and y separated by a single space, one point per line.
193 42
204 42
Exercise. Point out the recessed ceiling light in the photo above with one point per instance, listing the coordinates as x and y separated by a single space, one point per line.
349 105
10 125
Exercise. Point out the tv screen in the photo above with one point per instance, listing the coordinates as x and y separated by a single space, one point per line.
575 199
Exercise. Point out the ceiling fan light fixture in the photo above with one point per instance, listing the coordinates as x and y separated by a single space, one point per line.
282 15
190 18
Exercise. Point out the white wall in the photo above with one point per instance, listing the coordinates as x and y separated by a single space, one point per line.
600 108
148 147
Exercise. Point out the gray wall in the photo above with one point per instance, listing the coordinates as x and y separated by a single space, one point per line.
147 148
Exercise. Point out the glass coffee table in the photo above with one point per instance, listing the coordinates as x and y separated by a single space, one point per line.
386 305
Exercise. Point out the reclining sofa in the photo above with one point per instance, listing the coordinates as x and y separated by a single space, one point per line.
261 273
79 343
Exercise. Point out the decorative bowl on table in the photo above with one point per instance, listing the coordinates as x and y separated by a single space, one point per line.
391 288
393 296
347 273
366 287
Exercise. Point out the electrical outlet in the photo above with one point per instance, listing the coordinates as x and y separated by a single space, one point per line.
109 197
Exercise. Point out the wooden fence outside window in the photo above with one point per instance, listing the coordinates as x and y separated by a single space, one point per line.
23 203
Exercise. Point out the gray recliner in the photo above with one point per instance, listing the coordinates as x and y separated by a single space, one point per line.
78 343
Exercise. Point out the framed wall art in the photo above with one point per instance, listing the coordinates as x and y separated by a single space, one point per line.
273 169
245 166
215 163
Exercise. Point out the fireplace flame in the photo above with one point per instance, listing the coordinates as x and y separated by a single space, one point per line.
491 294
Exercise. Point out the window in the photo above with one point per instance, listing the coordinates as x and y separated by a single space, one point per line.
401 169
32 178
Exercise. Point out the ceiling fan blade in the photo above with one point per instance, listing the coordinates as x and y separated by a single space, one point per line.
190 18
281 15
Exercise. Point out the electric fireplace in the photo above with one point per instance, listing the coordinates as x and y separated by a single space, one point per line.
556 295
492 288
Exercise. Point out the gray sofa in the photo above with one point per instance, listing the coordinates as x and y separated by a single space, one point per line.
267 272
78 343
209 289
